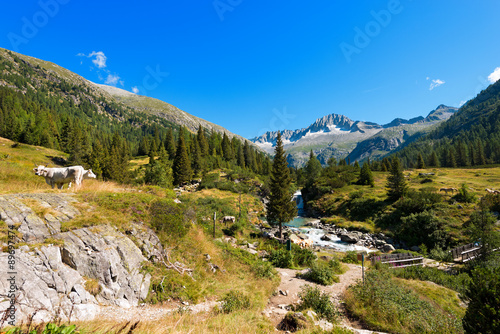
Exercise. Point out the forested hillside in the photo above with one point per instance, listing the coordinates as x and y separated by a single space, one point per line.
471 137
57 109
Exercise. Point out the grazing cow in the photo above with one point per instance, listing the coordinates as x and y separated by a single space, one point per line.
227 219
448 189
492 191
59 176
87 174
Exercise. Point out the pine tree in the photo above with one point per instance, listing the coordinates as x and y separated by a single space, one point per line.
202 142
434 160
170 144
227 149
196 159
281 208
366 176
482 314
312 168
420 161
396 183
182 164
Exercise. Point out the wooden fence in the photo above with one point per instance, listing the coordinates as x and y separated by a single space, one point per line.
466 252
399 260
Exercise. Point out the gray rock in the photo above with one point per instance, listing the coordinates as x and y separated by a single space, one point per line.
415 248
388 248
350 237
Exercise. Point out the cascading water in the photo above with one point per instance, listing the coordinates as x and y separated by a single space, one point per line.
300 222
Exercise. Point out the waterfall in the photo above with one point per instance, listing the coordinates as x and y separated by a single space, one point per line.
297 197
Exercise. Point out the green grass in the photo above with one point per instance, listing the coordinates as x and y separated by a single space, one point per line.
394 305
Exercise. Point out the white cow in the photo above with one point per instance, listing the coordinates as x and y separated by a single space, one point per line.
87 174
60 175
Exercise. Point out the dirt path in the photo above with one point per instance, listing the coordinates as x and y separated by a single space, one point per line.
290 287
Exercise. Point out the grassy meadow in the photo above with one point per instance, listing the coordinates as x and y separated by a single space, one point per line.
434 307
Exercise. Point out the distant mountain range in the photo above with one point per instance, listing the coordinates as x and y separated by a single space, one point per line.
338 136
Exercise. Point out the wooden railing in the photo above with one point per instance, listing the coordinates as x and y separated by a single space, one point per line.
399 260
466 252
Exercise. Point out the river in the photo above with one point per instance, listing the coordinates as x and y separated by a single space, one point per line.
299 225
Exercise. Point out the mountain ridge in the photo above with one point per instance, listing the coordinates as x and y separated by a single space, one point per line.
337 135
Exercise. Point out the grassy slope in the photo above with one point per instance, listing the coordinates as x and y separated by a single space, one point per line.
476 179
120 206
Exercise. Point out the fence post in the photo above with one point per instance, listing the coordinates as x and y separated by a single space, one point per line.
215 219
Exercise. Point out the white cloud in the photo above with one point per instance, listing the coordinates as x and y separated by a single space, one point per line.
99 60
112 80
436 83
495 75
462 103
135 90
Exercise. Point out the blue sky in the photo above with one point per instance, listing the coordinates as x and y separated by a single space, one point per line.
254 66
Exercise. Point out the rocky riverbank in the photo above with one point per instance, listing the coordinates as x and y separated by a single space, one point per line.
334 234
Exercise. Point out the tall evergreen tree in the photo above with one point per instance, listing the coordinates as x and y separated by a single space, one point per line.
434 160
483 310
366 176
312 168
202 141
281 208
182 164
170 144
396 183
420 161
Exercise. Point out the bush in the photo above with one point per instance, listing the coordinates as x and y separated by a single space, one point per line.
465 196
168 216
350 257
387 305
321 273
418 201
303 256
456 282
318 301
234 301
281 258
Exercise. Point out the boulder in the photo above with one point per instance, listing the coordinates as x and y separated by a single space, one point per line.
388 248
350 237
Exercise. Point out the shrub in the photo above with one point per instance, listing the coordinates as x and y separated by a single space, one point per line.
321 273
483 312
350 257
418 201
423 228
234 301
168 216
318 301
388 305
464 195
303 256
456 282
281 258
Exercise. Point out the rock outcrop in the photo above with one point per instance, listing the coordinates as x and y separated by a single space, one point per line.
52 279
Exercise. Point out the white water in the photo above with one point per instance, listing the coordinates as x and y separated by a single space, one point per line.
315 234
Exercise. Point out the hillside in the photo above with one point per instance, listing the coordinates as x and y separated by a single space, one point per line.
134 233
108 95
340 137
471 137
